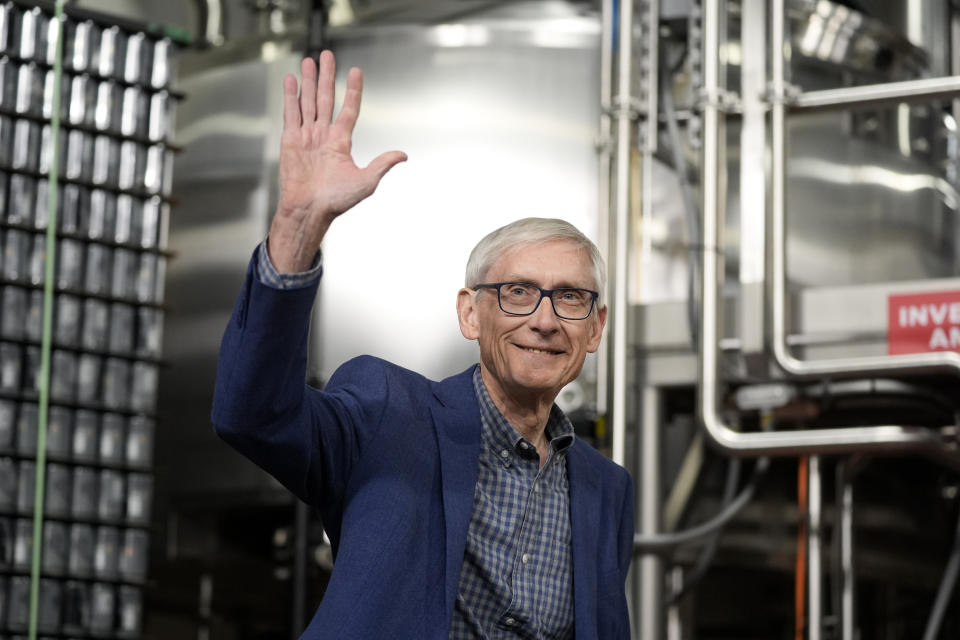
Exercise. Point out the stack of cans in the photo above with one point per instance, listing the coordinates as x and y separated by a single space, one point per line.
113 158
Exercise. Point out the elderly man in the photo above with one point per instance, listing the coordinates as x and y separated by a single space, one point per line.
457 509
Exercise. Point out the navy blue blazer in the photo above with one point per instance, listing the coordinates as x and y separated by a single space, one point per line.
390 459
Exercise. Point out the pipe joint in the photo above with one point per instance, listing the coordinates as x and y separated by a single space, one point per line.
722 100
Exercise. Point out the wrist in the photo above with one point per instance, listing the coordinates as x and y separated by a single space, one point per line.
294 241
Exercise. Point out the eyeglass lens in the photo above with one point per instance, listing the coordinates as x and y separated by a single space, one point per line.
522 298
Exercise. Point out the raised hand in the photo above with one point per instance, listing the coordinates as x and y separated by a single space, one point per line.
318 177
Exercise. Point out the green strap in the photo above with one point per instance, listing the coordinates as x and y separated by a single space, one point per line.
45 345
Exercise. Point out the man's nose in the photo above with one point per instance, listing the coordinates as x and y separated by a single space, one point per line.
544 318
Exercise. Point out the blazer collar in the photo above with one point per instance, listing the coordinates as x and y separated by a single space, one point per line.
456 419
584 482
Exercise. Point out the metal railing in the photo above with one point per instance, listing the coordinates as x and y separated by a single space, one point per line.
811 441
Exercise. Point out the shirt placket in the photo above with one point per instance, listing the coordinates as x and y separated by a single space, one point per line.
522 590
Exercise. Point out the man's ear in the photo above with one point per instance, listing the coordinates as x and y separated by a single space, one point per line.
596 329
467 314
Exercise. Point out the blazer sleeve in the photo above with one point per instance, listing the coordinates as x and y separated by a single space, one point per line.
307 439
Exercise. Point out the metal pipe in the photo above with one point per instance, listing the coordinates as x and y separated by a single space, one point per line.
846 560
299 608
711 280
651 508
604 179
873 95
674 625
621 228
651 505
211 21
814 541
651 113
839 440
753 189
955 58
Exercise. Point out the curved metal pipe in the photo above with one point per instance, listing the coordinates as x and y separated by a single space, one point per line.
814 441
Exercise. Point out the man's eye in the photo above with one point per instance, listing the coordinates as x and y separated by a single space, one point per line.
518 292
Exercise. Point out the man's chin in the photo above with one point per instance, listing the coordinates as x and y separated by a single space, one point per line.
538 383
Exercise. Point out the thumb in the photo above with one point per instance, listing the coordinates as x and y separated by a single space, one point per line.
383 163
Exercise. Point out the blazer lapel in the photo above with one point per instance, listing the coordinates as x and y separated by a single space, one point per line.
584 482
457 423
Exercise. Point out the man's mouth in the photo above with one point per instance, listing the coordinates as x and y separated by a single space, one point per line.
549 352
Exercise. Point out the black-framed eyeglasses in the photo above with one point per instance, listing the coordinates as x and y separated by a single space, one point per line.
523 298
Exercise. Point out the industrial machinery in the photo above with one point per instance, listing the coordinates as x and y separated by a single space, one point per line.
775 187
813 212
86 118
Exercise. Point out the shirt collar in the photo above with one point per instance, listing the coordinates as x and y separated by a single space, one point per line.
500 435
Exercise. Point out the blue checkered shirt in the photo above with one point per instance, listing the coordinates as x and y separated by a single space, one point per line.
516 579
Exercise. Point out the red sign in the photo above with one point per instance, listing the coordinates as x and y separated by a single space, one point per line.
921 322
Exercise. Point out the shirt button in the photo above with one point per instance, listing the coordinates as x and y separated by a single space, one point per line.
510 622
504 453
525 558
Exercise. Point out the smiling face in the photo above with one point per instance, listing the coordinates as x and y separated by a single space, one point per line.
530 358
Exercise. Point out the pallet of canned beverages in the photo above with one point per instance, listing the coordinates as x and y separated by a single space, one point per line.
114 161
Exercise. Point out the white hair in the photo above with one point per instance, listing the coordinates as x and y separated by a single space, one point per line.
529 231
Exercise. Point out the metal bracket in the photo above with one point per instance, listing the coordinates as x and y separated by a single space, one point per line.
790 94
635 108
722 100
603 144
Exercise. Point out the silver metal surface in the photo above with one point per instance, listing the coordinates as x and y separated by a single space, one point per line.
675 625
864 210
753 187
650 618
619 265
212 21
865 96
833 33
836 440
223 184
712 278
649 62
848 576
814 547
915 363
604 175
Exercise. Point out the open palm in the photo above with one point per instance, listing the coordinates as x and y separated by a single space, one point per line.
318 177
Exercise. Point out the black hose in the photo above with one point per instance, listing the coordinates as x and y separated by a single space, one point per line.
663 542
705 559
